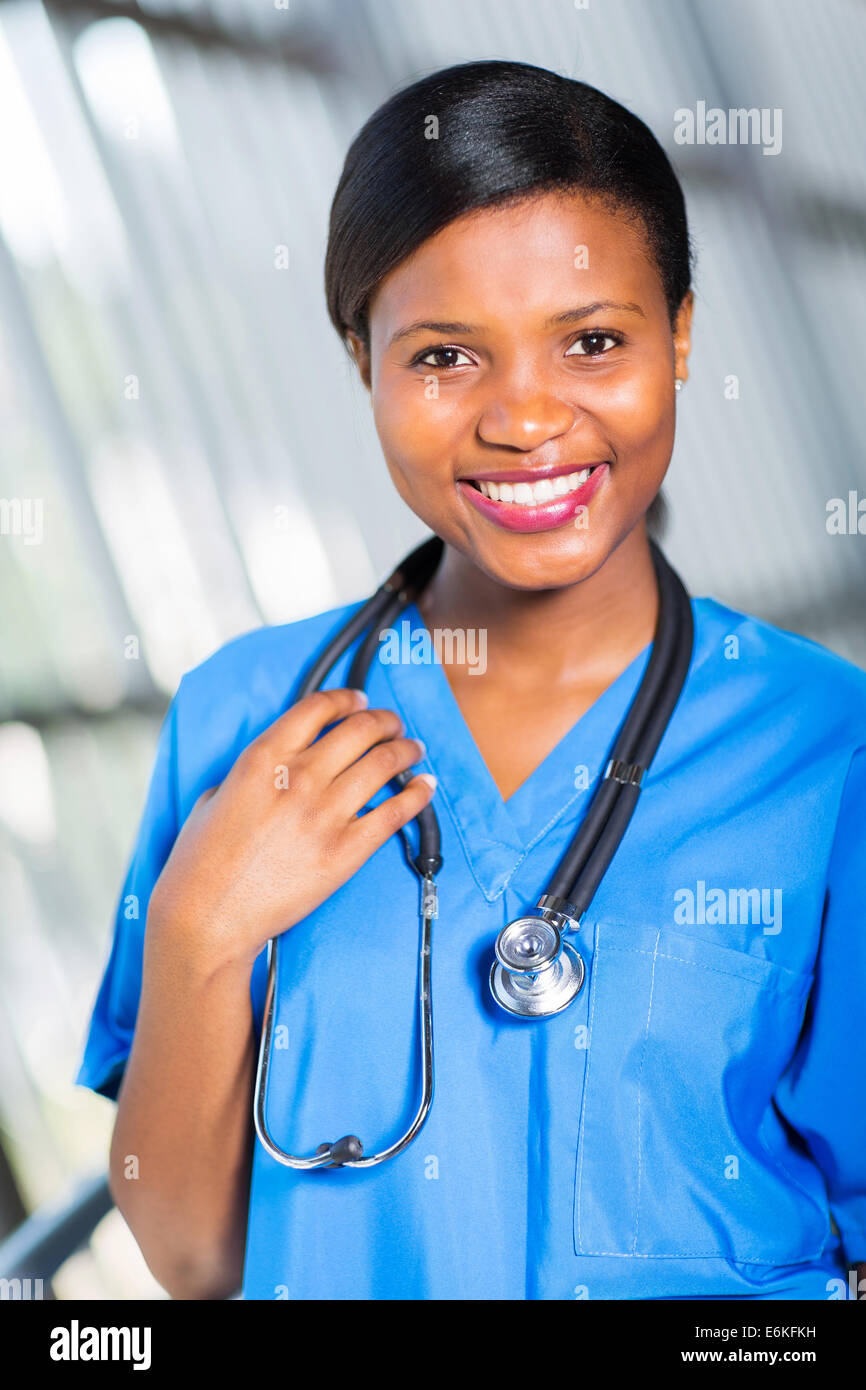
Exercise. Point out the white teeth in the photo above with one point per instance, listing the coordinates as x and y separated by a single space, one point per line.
533 494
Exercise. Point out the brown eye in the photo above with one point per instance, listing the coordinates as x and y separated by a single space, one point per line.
594 344
442 353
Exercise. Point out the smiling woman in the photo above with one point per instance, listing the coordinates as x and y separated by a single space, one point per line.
505 135
516 295
583 390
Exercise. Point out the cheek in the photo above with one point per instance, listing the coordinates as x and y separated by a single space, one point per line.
639 411
415 426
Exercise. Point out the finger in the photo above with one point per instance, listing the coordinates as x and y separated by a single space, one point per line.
369 831
343 745
354 787
302 724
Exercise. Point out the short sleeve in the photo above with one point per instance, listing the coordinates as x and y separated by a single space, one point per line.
112 1022
823 1091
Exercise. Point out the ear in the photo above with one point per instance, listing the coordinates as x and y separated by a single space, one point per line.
361 355
683 337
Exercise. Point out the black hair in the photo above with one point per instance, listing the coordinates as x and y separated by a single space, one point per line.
485 133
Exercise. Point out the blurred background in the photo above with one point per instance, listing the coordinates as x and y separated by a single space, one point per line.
185 454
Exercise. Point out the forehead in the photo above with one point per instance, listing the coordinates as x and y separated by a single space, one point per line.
531 258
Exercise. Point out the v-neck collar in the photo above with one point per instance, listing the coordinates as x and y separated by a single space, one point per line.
497 834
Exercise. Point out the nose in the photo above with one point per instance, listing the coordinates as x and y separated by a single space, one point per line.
524 416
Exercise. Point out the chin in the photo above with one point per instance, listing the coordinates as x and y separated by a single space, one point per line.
535 563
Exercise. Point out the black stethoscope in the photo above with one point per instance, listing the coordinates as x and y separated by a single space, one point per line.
536 973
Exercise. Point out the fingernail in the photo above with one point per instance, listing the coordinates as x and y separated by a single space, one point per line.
363 697
429 779
423 746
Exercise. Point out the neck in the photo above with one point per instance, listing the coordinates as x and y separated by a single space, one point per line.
582 631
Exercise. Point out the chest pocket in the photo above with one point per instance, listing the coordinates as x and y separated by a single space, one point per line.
680 1151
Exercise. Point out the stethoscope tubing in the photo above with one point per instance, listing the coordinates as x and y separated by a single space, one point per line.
379 611
608 842
428 858
585 861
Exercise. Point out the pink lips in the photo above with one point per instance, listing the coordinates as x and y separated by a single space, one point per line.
547 515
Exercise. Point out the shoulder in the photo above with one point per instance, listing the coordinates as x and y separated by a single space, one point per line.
226 701
779 672
266 661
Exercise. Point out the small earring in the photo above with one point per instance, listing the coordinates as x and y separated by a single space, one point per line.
678 384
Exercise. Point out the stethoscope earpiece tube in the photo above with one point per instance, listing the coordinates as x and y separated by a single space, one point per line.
429 858
370 612
654 704
609 841
379 611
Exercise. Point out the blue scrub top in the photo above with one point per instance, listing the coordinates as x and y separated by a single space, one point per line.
692 1126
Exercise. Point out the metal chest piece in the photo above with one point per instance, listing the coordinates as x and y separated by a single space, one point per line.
536 973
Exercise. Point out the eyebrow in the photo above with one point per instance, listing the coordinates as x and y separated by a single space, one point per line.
584 311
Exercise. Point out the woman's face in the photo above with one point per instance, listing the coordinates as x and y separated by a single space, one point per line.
514 350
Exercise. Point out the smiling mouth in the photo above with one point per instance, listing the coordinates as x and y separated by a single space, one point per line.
524 494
